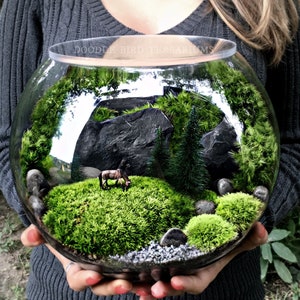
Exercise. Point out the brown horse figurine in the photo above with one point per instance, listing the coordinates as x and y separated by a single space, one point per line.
119 175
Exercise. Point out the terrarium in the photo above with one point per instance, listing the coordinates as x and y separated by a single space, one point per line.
143 157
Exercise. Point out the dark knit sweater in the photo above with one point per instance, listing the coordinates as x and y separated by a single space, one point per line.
29 27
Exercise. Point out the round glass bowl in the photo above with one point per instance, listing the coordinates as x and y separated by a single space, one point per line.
143 157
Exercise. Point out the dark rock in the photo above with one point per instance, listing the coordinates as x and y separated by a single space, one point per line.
261 193
89 172
37 206
103 145
218 144
224 186
205 207
36 183
173 236
121 104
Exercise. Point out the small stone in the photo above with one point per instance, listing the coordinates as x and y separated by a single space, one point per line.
225 186
205 207
173 236
37 205
36 183
261 193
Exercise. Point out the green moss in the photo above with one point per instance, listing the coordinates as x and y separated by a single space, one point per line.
209 195
178 109
103 113
257 158
208 232
49 109
240 209
258 154
109 222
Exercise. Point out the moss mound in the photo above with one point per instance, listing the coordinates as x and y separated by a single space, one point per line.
208 232
110 222
239 209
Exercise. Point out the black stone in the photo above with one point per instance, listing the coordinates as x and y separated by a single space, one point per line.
205 207
224 186
261 193
102 145
37 206
173 236
218 144
36 183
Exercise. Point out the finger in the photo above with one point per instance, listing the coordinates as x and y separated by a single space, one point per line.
196 284
31 237
143 290
163 289
257 236
79 279
113 287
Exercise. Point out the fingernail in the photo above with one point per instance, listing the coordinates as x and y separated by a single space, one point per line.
158 294
142 293
121 290
92 281
262 232
32 236
177 285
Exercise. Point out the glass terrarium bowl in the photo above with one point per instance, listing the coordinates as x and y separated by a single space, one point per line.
143 157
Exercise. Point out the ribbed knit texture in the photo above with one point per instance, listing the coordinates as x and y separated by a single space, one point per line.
29 27
240 280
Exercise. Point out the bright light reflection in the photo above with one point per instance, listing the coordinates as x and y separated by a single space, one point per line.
220 101
78 112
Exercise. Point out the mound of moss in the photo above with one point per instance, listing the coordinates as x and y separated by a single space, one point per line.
109 222
239 209
208 232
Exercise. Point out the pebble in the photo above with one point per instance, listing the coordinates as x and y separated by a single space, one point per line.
157 254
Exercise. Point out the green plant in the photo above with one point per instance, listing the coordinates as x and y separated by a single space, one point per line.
51 107
7 244
188 173
109 222
178 109
208 232
103 113
159 159
275 252
295 287
239 209
284 246
258 155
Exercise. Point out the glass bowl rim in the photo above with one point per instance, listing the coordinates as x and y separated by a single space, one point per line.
91 57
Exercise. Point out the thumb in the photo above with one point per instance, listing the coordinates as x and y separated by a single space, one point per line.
31 237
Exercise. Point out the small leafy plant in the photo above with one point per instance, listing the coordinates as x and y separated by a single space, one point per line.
276 253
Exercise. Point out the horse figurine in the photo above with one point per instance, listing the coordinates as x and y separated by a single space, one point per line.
119 175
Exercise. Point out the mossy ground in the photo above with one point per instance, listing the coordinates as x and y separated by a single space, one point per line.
108 222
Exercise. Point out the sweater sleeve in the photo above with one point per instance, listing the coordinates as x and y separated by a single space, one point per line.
283 86
20 44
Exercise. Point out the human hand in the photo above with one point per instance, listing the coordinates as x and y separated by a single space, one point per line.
78 278
198 282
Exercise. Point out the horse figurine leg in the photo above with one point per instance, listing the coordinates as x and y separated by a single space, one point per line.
103 181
